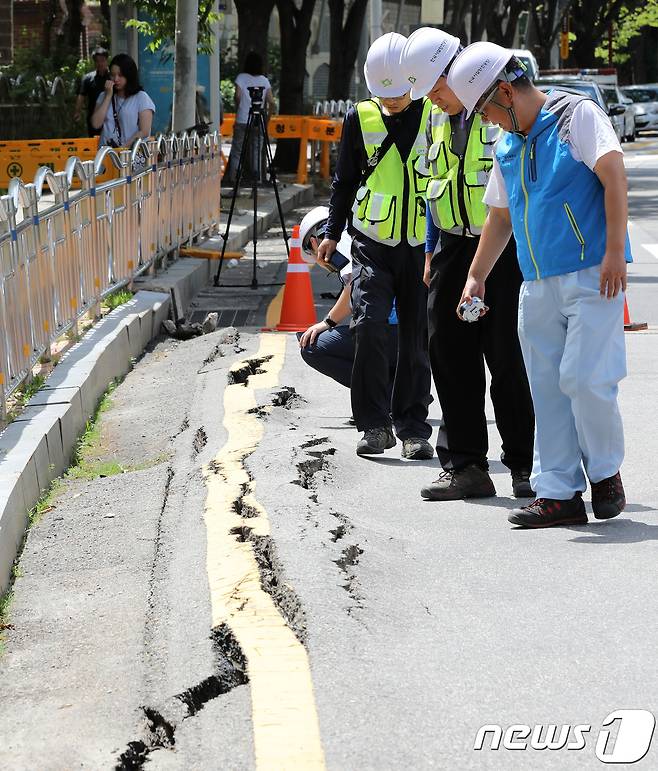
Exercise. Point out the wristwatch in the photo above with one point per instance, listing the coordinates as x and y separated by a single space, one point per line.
330 322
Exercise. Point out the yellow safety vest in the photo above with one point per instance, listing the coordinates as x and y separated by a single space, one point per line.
458 183
394 188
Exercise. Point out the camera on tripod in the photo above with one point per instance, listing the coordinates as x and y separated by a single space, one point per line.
257 96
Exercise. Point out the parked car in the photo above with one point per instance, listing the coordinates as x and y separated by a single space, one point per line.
613 95
591 89
640 113
647 97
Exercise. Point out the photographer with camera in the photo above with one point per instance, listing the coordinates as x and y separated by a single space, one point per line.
124 110
252 89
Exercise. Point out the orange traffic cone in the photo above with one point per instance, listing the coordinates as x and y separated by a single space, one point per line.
630 326
298 308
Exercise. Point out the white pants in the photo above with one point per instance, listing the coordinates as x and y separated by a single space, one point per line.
575 355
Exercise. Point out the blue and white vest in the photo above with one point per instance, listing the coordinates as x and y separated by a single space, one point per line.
556 203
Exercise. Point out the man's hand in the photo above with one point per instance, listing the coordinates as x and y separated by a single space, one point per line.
472 288
310 336
426 272
613 274
326 249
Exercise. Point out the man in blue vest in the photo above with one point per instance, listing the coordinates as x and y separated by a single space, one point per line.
460 157
558 183
379 187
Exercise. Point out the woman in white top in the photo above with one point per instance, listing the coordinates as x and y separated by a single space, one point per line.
250 77
124 110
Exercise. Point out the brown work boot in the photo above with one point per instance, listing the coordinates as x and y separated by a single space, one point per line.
375 441
454 485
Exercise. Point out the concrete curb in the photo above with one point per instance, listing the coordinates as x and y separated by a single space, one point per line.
37 447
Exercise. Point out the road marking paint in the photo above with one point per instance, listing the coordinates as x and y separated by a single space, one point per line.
273 315
651 248
285 722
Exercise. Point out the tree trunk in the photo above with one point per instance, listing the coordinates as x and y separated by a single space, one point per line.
583 47
107 22
68 33
253 23
344 47
51 14
499 31
74 26
455 15
185 57
546 22
295 28
480 12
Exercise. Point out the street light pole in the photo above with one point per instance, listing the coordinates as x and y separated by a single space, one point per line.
185 53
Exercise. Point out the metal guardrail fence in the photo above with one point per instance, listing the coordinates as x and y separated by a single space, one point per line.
56 265
332 108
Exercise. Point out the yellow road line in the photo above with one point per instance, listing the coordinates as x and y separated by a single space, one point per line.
285 722
273 315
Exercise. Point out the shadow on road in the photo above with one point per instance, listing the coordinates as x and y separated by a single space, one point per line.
619 531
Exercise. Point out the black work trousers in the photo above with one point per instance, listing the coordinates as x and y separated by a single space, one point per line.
458 351
332 354
381 274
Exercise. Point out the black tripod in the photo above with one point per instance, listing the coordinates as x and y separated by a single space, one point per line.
256 121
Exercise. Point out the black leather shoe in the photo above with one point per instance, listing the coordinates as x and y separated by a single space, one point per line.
375 441
521 483
608 497
548 512
469 482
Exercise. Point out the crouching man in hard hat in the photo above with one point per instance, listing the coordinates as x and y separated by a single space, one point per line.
377 179
328 346
559 184
460 157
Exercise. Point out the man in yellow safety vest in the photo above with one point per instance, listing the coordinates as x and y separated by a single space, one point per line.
460 157
379 187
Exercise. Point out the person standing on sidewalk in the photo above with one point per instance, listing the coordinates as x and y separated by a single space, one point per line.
559 184
460 157
381 179
91 87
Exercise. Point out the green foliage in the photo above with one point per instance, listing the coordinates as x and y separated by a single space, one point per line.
26 392
55 113
45 503
227 89
160 25
629 25
117 298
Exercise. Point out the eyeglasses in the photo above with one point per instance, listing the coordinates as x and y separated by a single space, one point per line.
485 99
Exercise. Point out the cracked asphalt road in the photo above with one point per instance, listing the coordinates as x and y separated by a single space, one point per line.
420 622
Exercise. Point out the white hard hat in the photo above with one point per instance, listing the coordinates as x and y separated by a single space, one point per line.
382 68
312 225
425 56
475 70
